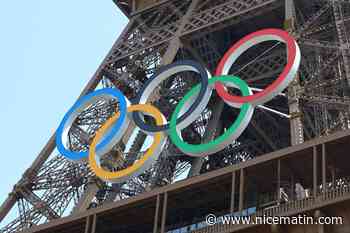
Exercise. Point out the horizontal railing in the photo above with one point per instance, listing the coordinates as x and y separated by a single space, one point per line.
289 208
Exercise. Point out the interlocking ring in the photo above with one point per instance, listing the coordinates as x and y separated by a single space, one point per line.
281 83
192 112
231 134
141 165
186 112
112 135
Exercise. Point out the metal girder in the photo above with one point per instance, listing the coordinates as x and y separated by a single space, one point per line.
153 38
333 101
339 1
221 12
35 201
324 27
212 130
312 20
296 127
316 76
322 44
261 68
342 37
139 140
24 221
47 195
141 37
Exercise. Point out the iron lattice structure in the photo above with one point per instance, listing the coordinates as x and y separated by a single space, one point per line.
316 104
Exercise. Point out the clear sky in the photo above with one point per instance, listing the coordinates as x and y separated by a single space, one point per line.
48 52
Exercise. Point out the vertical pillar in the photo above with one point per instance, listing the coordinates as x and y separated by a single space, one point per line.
211 131
133 7
156 215
241 190
94 221
89 194
324 158
175 42
279 181
165 205
296 127
197 162
314 156
233 187
320 227
87 224
292 181
333 177
343 40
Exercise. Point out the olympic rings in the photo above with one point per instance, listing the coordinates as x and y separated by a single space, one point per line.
231 134
144 163
189 108
193 112
281 83
107 142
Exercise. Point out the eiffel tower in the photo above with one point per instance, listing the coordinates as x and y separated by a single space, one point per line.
160 32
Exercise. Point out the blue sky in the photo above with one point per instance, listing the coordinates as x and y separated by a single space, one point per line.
48 52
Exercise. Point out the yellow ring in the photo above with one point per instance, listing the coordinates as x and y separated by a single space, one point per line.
113 176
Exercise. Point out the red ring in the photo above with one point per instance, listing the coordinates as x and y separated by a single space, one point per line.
291 46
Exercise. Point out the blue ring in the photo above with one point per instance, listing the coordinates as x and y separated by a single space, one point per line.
73 155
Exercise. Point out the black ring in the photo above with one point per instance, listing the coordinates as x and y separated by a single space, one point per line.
204 85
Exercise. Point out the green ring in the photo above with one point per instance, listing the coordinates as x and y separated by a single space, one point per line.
190 148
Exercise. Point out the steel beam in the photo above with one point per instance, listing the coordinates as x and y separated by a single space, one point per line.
296 126
156 215
314 157
233 191
343 38
164 212
278 181
196 21
324 171
241 190
210 133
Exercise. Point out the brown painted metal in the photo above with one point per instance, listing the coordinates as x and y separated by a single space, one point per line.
291 152
94 221
241 190
87 225
199 18
278 181
156 215
233 187
324 168
164 212
314 170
